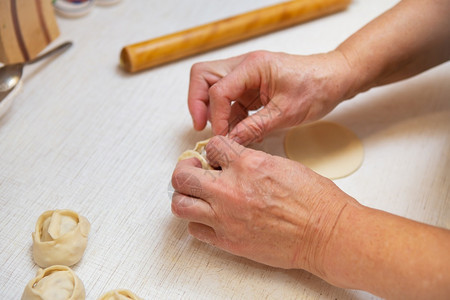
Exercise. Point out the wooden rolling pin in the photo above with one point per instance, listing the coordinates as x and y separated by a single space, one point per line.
199 39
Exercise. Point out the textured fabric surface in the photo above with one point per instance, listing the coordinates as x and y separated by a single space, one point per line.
84 135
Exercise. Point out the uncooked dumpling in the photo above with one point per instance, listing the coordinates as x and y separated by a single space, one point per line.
60 238
119 295
198 152
54 283
327 148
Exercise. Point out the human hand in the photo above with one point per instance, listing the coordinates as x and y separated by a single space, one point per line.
291 89
262 207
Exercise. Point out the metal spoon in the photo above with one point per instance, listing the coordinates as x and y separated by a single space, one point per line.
10 74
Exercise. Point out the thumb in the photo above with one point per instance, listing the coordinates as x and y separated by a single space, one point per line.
223 93
256 126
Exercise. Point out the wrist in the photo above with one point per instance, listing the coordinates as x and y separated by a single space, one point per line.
326 80
340 256
350 79
327 218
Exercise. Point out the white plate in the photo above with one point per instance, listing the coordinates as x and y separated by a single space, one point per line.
73 9
5 104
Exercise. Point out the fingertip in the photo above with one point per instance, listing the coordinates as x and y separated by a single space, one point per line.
198 125
198 113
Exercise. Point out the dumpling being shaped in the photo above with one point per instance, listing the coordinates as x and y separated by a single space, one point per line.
199 153
119 294
55 283
60 238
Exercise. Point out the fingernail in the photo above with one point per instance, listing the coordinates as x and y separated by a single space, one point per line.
234 136
184 201
236 139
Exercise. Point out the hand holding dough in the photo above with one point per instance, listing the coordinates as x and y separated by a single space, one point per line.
54 283
60 238
199 153
119 295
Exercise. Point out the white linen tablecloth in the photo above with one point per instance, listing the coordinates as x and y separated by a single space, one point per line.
84 135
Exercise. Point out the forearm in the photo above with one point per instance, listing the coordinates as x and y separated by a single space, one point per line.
411 37
390 256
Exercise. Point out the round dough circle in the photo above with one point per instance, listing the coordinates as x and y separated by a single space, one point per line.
327 148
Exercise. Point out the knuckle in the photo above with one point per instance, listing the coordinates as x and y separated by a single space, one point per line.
197 68
260 55
222 150
250 163
175 176
255 161
181 204
213 143
182 180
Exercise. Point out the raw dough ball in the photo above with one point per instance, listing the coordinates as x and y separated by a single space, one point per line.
60 238
198 152
54 283
327 148
119 295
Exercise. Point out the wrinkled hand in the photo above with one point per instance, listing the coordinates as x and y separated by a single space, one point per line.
291 89
265 208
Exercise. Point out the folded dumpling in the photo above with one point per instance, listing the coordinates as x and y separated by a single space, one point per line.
55 283
119 295
60 238
198 152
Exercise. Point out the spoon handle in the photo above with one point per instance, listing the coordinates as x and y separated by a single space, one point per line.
61 47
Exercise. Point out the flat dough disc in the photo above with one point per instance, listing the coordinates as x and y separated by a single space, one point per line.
327 148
